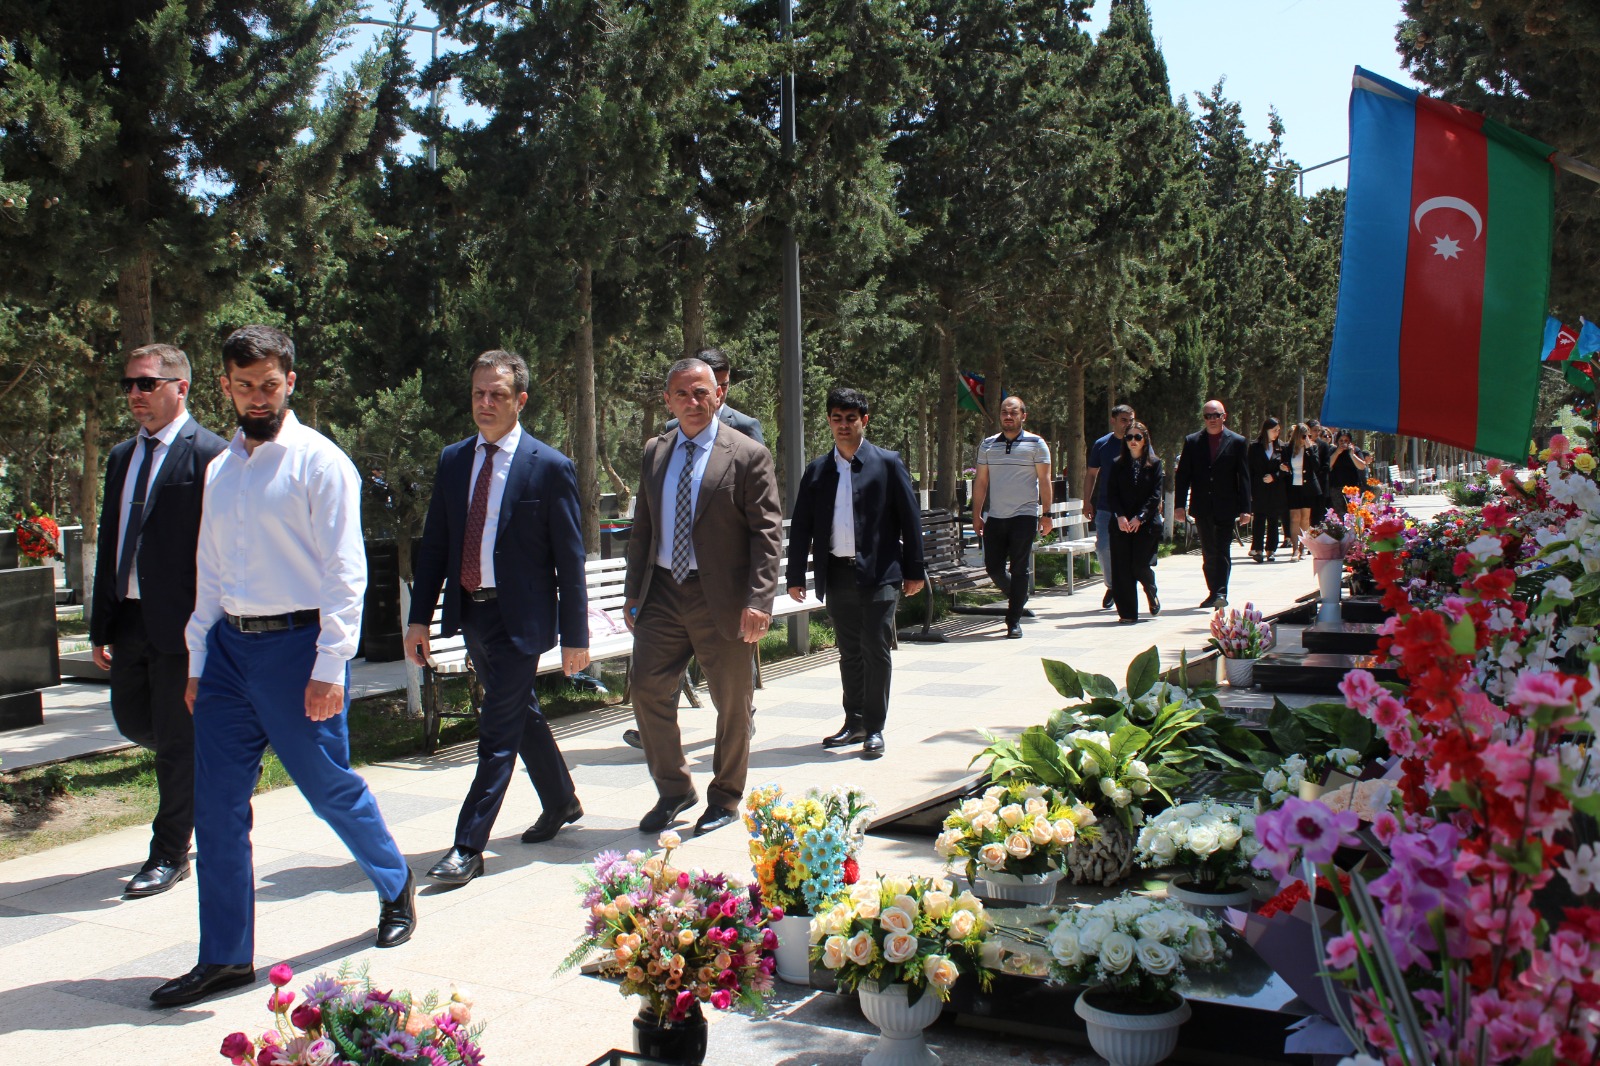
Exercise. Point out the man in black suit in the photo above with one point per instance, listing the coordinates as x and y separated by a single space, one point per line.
1213 481
504 541
856 511
144 583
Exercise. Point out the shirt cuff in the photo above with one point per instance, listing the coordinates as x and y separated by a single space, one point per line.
329 669
197 665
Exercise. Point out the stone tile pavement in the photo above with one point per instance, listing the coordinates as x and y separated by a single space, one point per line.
77 962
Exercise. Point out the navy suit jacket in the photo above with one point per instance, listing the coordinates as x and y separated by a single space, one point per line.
1217 490
538 548
887 519
168 541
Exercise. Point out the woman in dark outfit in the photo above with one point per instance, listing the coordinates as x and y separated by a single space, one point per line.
1346 469
1269 489
1134 492
1306 491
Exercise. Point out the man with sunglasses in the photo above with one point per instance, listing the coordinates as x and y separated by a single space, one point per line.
144 580
1213 481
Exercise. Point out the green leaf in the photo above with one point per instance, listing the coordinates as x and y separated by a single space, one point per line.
1285 729
1042 755
1586 585
1144 672
1127 742
1464 635
1063 678
1098 685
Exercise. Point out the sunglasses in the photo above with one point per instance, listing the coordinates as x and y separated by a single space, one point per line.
145 385
1136 436
1209 416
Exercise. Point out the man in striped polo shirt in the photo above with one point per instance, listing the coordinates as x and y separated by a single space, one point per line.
1011 506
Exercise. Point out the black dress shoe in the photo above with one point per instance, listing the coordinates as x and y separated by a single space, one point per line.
204 980
458 866
872 747
1014 631
155 877
1152 601
630 737
551 821
1219 601
397 918
1208 603
1107 600
1127 621
666 809
850 733
714 818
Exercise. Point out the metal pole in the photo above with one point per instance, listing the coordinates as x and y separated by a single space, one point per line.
1300 411
791 389
433 104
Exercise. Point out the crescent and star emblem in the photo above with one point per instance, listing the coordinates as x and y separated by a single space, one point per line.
1444 246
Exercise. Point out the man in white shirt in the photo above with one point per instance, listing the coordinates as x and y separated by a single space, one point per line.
277 617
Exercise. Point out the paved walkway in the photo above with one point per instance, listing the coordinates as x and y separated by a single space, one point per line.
77 963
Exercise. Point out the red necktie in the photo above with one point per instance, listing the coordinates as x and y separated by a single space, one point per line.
472 542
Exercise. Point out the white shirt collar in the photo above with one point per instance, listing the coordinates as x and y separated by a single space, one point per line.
507 443
285 438
169 432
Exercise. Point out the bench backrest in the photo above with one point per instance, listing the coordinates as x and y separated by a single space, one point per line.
941 539
1067 518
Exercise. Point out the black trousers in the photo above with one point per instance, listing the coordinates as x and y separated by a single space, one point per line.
147 704
1130 566
1266 528
1216 547
1008 557
863 620
509 724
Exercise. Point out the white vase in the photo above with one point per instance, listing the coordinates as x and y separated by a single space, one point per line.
1037 890
900 1042
1232 894
1330 578
1132 1039
1241 672
794 949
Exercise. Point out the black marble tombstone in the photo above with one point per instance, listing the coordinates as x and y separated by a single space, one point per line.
28 650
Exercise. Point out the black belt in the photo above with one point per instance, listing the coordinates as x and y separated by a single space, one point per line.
271 623
480 595
841 560
690 576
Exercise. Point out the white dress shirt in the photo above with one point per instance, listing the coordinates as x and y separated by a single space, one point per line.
280 531
669 491
497 492
843 541
130 484
1297 468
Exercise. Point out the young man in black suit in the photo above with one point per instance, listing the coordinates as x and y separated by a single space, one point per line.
856 511
1213 481
144 584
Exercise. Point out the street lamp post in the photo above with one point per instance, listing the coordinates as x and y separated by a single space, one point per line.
433 56
791 389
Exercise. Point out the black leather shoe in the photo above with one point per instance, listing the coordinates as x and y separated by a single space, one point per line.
630 737
851 732
666 809
872 747
458 866
1209 603
1152 601
1107 600
714 818
1219 602
397 918
1014 631
551 821
202 981
155 877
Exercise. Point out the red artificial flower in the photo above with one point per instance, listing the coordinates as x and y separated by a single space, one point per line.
852 870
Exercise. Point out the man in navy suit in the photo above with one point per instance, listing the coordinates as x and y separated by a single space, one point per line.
1213 481
856 510
144 580
504 541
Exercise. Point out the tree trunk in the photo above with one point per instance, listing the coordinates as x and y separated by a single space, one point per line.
88 490
693 296
994 382
584 448
603 446
945 475
1076 460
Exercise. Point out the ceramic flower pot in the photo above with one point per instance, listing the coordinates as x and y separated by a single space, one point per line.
900 1026
1201 899
1241 672
794 948
1124 1039
1103 861
679 1042
1330 575
1036 890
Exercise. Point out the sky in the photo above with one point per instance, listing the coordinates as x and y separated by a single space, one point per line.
1295 55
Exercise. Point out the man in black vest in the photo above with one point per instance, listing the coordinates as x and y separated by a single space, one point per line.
144 591
1213 481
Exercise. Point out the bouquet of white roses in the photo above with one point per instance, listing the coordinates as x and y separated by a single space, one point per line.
1286 779
1015 829
1133 946
1214 842
903 930
1106 764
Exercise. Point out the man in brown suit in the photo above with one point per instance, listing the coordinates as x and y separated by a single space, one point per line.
700 584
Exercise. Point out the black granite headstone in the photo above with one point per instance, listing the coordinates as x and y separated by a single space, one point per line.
1318 672
380 614
28 648
8 549
1341 638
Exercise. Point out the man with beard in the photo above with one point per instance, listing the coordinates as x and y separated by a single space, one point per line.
280 578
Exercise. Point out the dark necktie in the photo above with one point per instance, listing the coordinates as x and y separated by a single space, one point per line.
683 520
472 542
130 535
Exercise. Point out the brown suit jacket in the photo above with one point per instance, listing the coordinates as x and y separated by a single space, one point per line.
738 527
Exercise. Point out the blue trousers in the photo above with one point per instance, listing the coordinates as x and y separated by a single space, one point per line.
253 694
1102 539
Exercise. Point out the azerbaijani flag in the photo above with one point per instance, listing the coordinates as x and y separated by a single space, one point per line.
1445 274
969 391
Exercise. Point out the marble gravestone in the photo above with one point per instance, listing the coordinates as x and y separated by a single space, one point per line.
28 650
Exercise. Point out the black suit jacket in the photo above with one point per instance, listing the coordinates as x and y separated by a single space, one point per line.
887 519
1134 491
1219 491
168 540
538 548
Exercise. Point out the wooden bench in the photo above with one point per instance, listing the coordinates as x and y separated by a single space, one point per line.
1071 535
944 558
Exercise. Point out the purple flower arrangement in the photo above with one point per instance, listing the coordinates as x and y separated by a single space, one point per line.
344 1021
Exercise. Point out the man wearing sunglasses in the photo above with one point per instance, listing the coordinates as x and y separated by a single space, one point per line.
144 579
1213 481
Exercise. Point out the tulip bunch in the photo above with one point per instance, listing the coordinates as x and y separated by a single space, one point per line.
1213 841
904 930
676 938
1133 946
804 851
1016 829
344 1021
1241 634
